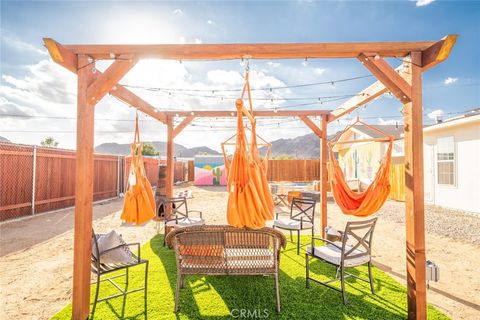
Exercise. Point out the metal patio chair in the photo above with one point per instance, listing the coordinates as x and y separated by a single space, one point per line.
355 249
302 213
180 215
101 269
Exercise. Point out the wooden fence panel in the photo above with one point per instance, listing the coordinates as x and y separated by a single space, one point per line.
191 170
16 165
397 182
54 179
293 170
179 172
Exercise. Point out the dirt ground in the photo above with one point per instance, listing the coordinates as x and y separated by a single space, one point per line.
36 255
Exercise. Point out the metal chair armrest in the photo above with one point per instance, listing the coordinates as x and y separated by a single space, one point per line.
279 212
197 211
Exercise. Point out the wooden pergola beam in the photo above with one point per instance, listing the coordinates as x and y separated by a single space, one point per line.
135 101
312 125
388 76
431 56
254 51
107 80
61 55
182 125
438 52
369 94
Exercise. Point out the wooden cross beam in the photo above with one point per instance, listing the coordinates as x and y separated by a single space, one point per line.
431 56
389 77
68 60
107 80
182 125
312 125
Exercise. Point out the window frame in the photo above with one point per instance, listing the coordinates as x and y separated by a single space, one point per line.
454 161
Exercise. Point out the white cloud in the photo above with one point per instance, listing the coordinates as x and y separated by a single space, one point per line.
450 80
388 122
20 45
210 22
422 3
178 13
47 89
181 40
198 41
435 114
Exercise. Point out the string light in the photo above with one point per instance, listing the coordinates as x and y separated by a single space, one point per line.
331 82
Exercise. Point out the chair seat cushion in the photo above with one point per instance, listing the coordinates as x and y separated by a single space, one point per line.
332 254
186 222
291 224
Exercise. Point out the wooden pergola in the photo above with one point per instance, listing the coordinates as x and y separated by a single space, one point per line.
405 83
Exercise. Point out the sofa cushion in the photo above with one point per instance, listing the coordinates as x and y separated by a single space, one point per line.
117 256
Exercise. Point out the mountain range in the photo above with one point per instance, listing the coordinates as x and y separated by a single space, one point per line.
302 147
161 146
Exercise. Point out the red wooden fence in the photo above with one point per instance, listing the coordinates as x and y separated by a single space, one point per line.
54 184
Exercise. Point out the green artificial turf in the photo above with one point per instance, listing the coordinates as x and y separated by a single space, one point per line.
220 297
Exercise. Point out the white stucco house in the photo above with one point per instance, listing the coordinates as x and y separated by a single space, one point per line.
452 162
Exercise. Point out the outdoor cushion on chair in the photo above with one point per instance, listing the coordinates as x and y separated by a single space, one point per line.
185 222
332 254
117 256
291 224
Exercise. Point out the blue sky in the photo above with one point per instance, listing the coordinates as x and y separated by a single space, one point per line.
32 85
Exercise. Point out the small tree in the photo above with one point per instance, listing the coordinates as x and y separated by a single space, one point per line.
284 157
149 150
49 142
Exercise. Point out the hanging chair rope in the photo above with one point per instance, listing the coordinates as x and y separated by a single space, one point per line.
364 203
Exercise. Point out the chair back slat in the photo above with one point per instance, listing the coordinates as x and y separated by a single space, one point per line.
177 205
302 207
357 239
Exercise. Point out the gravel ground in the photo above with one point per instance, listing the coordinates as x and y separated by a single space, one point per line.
455 224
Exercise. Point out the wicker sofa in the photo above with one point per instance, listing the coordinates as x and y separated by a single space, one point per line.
225 250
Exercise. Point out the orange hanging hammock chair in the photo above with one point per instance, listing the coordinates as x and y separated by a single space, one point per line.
365 203
250 202
139 202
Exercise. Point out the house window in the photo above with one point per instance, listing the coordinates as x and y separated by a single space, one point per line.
446 161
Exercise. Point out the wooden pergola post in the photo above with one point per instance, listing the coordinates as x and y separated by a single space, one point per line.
83 193
323 174
170 163
414 197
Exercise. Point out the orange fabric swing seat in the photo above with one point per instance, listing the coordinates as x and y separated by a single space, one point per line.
139 202
365 203
250 203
